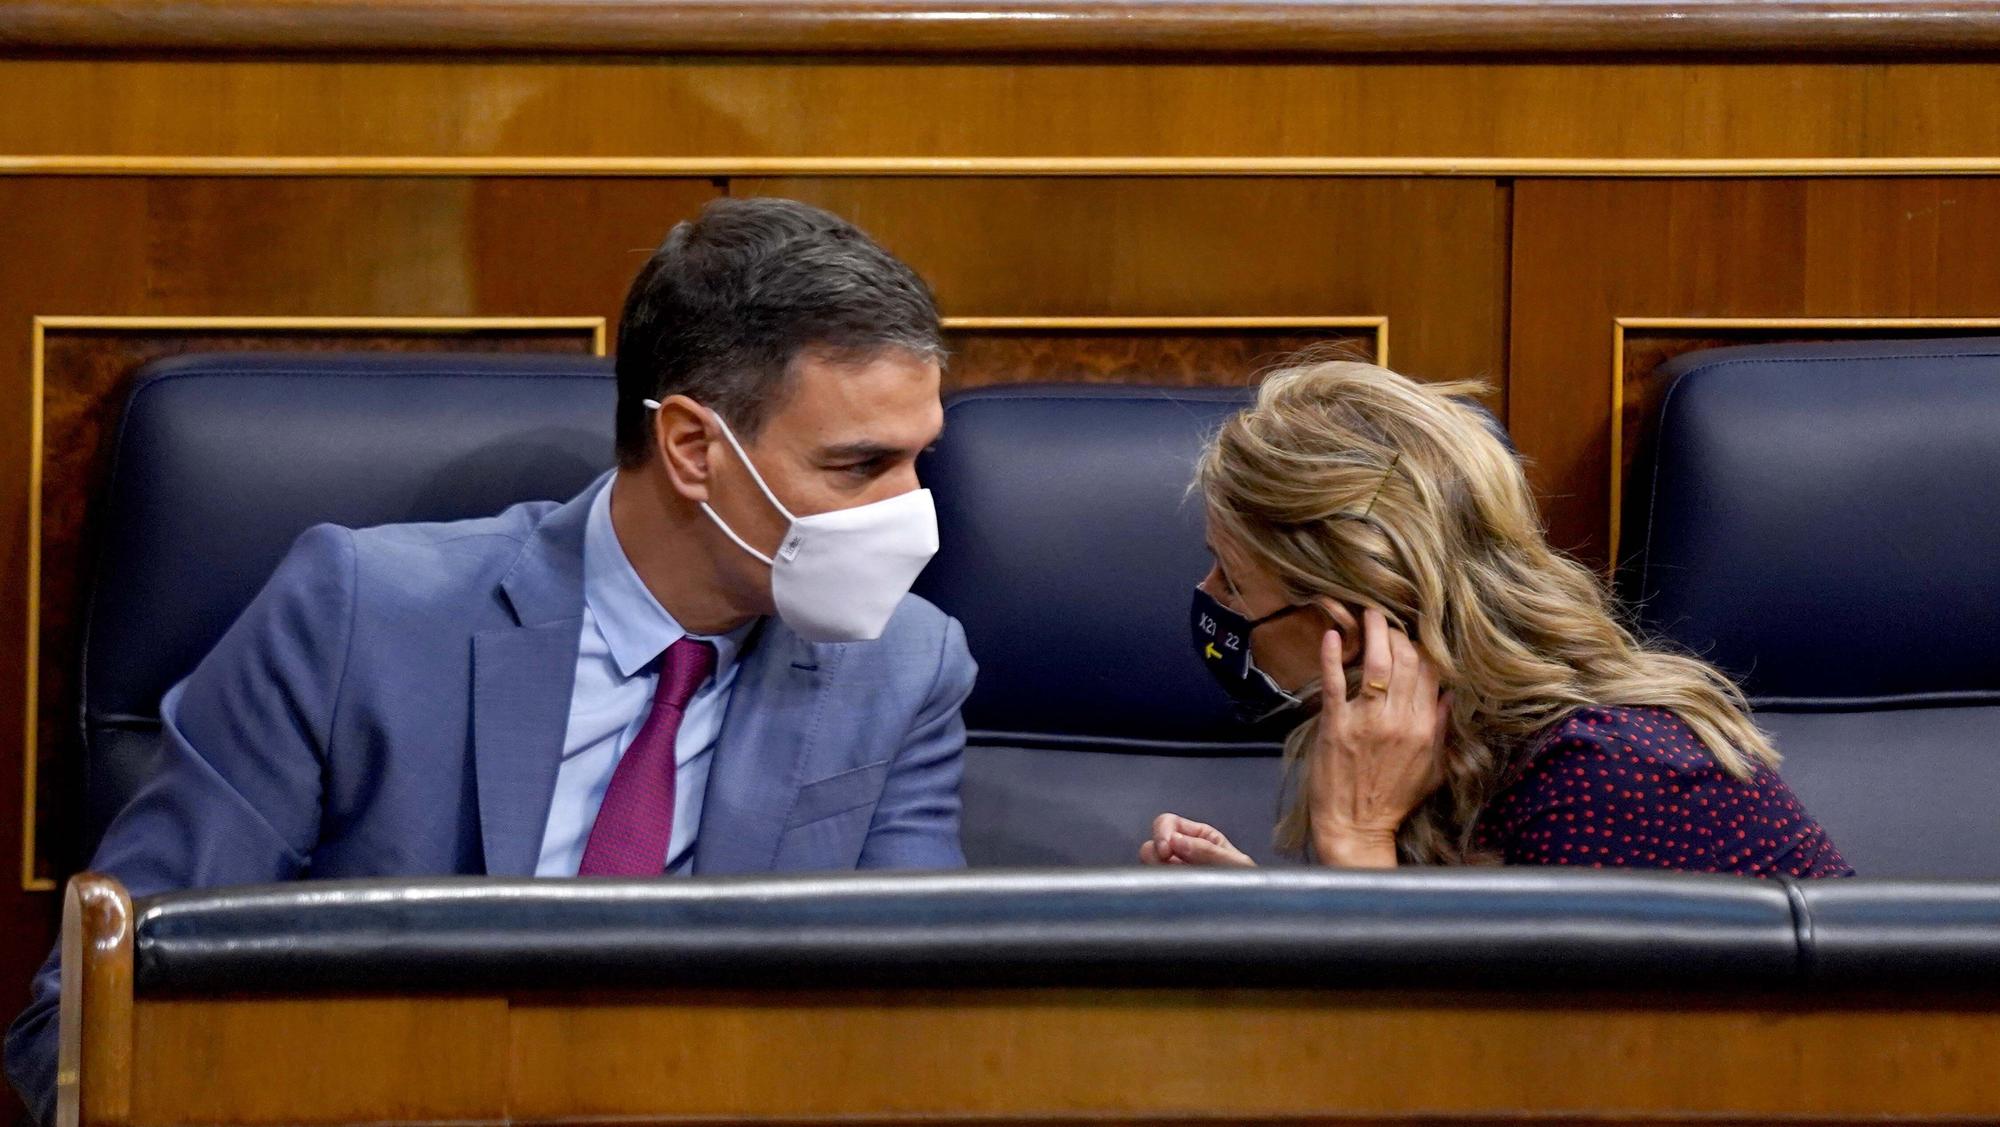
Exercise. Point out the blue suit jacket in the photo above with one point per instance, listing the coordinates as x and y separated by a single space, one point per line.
394 703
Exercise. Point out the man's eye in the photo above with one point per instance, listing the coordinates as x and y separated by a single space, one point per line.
863 470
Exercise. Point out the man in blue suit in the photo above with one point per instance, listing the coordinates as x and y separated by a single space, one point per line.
706 663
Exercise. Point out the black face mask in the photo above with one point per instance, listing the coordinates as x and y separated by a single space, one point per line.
1222 641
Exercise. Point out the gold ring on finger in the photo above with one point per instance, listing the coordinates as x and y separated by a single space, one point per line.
1379 686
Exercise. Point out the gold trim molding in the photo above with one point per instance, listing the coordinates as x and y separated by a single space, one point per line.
713 167
1620 326
30 751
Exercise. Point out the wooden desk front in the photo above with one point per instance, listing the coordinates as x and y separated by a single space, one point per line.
1000 1055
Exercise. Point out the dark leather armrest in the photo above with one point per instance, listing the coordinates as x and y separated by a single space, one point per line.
1489 929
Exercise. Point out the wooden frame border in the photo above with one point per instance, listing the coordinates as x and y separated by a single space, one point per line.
30 750
734 167
95 1019
1620 325
1038 29
1376 323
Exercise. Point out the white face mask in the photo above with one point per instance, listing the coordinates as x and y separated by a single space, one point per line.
838 576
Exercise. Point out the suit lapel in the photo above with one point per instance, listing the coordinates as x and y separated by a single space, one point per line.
761 755
522 679
520 715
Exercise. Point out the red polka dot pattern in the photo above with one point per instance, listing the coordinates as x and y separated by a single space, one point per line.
1636 788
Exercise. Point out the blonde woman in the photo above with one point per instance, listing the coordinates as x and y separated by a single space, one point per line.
1371 533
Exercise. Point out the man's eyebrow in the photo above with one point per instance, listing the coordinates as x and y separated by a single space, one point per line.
866 450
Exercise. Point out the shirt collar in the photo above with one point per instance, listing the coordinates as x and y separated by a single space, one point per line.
634 624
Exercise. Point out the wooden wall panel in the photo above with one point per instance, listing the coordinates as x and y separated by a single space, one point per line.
1445 110
1164 352
548 247
966 1055
235 247
1074 1056
371 1059
1589 252
1429 255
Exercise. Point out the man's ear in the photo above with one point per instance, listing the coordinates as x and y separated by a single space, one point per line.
1342 618
683 440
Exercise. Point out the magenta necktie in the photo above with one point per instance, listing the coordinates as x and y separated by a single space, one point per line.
636 821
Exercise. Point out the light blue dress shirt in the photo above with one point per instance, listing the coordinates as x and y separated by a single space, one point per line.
625 630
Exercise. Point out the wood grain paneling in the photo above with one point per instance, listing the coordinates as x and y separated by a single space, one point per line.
1445 111
1427 254
94 1045
1588 252
1045 1056
547 247
941 1056
1166 354
344 1060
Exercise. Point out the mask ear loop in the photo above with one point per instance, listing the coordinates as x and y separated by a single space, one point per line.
1310 697
654 405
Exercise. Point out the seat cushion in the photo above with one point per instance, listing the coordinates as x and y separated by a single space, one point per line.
1904 792
1039 806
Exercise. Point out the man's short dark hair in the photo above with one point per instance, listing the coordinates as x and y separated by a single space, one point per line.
734 296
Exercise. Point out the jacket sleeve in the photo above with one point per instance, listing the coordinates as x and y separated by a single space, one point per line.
916 822
235 796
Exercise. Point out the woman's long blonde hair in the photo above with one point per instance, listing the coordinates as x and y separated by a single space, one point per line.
1350 481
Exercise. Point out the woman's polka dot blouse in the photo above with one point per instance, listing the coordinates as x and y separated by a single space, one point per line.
1636 788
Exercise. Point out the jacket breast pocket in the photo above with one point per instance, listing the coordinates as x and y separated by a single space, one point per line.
847 791
828 826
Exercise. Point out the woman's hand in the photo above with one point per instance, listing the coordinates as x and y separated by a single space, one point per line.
1379 755
1182 841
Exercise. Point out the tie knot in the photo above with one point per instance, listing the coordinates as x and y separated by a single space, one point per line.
686 664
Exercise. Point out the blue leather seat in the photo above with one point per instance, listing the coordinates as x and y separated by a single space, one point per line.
1823 521
223 460
1069 550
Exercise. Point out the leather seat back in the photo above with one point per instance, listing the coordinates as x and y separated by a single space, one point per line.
1823 522
1070 549
222 460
